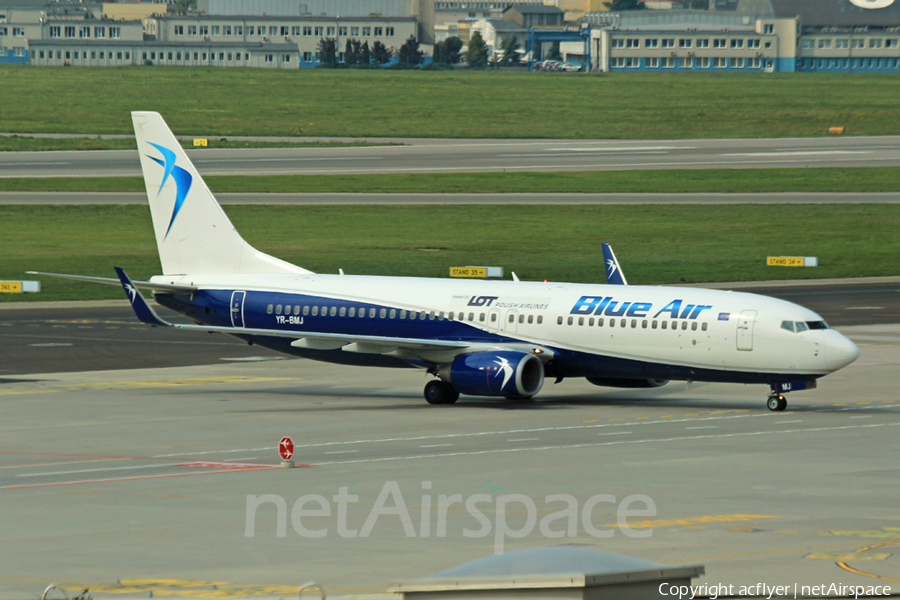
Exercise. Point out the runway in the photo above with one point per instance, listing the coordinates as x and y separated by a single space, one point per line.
136 481
460 156
107 198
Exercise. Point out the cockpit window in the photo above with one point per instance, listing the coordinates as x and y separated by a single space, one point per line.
817 325
801 326
788 325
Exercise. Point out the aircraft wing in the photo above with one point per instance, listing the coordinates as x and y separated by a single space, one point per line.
425 348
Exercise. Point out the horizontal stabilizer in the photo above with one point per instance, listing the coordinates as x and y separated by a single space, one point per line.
141 285
614 275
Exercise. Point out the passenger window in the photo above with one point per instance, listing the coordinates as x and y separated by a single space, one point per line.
306 310
612 322
441 316
644 324
634 323
297 310
664 324
801 326
558 320
683 325
269 309
352 312
623 322
471 317
674 324
530 319
512 318
788 326
324 310
703 327
403 314
599 322
591 322
422 315
315 310
580 321
431 316
694 326
493 317
382 313
393 313
569 321
540 319
371 313
333 311
278 309
653 325
481 317
343 312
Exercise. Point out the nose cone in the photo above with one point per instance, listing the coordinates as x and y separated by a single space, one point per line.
839 352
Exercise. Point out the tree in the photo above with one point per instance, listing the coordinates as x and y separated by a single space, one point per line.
437 55
410 55
183 7
349 55
327 53
696 4
380 54
553 53
621 5
365 57
477 53
511 52
450 49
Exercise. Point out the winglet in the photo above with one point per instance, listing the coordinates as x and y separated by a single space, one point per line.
614 275
140 306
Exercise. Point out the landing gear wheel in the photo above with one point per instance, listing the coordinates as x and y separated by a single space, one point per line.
440 392
776 402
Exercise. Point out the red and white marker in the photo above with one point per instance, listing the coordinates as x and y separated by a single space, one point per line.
286 448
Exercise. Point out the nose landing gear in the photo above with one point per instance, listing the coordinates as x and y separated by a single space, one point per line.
776 402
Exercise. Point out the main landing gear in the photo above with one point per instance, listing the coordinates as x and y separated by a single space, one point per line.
776 402
440 392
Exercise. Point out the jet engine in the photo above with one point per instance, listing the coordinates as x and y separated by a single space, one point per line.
502 373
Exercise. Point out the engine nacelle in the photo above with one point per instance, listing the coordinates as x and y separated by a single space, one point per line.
501 373
619 382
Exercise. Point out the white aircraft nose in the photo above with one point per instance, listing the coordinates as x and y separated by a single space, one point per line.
839 352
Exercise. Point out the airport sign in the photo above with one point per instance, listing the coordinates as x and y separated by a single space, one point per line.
286 448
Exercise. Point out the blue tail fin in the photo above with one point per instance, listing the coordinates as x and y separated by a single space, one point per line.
614 275
140 306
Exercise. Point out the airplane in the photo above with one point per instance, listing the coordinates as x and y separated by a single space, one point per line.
476 337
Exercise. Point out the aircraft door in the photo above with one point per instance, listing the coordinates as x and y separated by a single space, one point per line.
494 319
746 323
511 318
237 308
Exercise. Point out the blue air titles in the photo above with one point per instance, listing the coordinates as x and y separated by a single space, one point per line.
590 305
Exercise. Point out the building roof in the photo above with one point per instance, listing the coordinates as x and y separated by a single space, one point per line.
505 25
535 9
155 45
829 13
288 19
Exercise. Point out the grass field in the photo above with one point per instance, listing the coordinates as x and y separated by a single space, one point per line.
461 104
18 143
655 244
841 179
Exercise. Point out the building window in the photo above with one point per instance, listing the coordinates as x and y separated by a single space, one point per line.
295 30
892 43
704 43
342 31
3 31
720 62
687 63
354 31
668 43
99 32
54 31
204 30
70 32
685 43
203 56
389 31
226 29
651 43
119 55
230 56
806 44
83 32
170 56
753 43
825 43
307 57
285 30
737 63
754 63
873 43
41 54
273 30
737 43
366 31
652 63
632 43
331 31
719 43
238 30
20 52
768 29
857 43
618 43
632 62
215 29
179 30
269 58
320 31
75 54
251 30
841 43
307 31
668 62
378 32
618 62
703 62
115 32
287 58
222 56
